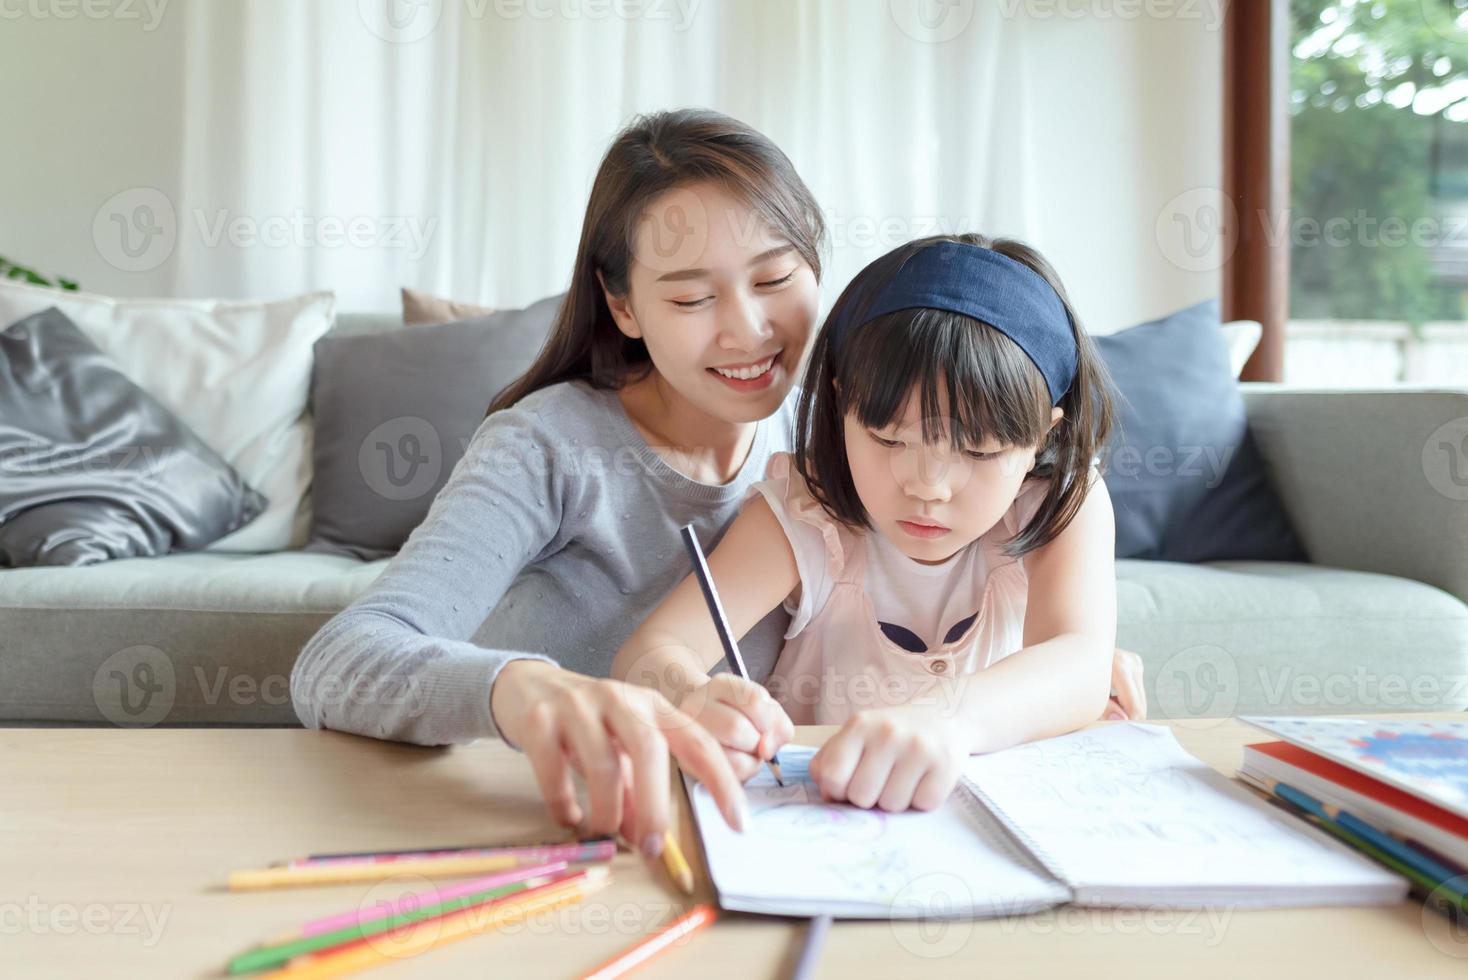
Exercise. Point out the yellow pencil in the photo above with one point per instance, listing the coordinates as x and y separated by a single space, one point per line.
332 874
677 864
432 933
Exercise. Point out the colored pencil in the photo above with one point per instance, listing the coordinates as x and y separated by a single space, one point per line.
721 622
334 874
810 950
643 950
677 864
450 848
420 937
361 916
1426 884
266 957
601 850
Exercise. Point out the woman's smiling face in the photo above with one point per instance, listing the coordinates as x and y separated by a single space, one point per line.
725 305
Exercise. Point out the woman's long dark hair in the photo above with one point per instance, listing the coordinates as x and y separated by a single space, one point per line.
992 388
655 154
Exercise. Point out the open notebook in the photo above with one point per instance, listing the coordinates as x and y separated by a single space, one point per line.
1118 815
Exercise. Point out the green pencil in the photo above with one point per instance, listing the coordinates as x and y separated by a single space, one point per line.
265 957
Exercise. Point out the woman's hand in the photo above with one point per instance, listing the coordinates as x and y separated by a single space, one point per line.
1130 699
893 758
617 737
742 716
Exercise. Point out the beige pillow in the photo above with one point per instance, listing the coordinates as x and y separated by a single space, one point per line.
427 308
237 372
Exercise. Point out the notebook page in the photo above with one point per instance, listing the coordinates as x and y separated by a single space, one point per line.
801 856
1123 813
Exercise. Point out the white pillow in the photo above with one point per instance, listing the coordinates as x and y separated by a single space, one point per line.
1242 336
237 373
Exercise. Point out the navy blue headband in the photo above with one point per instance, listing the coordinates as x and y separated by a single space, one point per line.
979 282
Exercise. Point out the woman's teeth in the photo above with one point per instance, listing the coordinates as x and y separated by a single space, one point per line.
747 373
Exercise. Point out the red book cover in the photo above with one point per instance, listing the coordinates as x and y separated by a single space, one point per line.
1363 784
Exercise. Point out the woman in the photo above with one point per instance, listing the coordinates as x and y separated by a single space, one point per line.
656 402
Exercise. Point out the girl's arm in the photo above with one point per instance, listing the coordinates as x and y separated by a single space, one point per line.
1061 678
909 756
753 569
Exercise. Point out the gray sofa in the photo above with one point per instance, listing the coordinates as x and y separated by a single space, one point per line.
1377 623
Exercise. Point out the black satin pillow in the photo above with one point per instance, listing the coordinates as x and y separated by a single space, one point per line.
91 466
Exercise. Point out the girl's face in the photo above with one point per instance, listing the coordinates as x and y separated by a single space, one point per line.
724 304
931 501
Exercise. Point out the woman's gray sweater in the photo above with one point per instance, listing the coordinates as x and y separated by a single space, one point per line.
555 536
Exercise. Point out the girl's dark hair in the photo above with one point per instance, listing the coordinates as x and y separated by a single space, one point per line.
655 154
992 389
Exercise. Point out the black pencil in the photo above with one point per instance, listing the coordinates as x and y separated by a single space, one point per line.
721 622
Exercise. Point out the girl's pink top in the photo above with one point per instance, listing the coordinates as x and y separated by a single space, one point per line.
964 614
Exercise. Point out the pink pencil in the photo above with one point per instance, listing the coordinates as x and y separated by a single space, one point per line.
418 900
572 852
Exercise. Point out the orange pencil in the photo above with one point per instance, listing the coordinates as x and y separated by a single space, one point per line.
643 950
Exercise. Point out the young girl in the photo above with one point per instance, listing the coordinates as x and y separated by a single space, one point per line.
941 536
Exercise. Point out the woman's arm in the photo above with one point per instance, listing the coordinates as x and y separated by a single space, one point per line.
397 663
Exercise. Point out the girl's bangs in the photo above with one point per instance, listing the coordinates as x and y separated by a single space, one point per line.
973 383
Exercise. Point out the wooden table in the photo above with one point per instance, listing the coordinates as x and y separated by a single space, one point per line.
114 846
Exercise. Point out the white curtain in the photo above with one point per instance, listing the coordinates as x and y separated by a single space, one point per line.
449 145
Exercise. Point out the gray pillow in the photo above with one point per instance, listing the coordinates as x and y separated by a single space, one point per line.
91 466
1186 479
395 412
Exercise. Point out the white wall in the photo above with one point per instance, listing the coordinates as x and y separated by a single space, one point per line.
1102 120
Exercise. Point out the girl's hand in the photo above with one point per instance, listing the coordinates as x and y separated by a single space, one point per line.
893 758
743 717
1130 699
617 736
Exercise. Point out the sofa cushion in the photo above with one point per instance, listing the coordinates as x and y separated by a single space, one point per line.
1186 479
236 372
394 412
182 638
92 467
1281 638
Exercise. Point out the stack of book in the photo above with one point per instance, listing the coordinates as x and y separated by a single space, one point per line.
1394 790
